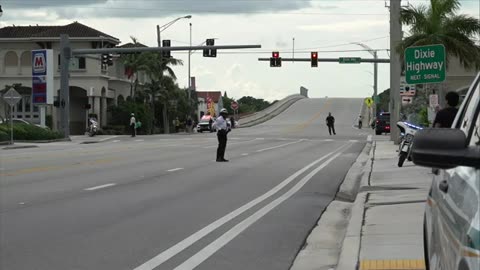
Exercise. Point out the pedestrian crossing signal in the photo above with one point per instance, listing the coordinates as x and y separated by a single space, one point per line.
275 60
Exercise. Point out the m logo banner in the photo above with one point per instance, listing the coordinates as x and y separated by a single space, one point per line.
39 63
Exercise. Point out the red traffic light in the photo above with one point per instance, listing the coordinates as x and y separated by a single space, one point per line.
314 55
275 54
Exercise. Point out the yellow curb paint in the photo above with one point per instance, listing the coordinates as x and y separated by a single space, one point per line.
392 265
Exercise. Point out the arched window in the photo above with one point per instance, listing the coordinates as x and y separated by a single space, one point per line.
11 62
26 62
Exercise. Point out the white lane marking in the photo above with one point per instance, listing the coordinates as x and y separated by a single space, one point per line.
108 138
245 154
192 239
213 247
100 187
369 138
353 140
21 203
278 146
139 140
328 140
260 138
213 146
174 170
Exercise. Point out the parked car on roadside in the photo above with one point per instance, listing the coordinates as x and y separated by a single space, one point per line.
452 214
205 125
19 121
382 123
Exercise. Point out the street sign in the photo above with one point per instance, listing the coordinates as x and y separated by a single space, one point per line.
369 102
407 100
425 64
12 97
433 101
234 105
407 89
350 60
42 77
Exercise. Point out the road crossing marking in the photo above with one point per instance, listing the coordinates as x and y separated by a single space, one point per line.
213 247
115 141
139 140
278 146
174 170
100 187
108 138
245 154
353 140
192 239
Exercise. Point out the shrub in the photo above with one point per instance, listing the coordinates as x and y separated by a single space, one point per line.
28 133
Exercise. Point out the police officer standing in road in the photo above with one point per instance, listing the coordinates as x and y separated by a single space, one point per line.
331 124
222 131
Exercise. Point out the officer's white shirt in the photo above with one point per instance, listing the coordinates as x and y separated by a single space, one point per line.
221 123
132 120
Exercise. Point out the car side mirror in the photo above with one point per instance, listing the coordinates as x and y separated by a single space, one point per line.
444 148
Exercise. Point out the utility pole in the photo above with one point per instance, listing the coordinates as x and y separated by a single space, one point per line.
375 84
166 125
189 76
64 99
395 67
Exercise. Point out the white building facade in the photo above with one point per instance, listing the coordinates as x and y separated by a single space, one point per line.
93 86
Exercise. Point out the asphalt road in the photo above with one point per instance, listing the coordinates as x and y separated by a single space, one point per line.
161 202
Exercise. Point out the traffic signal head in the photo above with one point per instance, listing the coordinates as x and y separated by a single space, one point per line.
275 60
210 52
107 59
314 59
166 43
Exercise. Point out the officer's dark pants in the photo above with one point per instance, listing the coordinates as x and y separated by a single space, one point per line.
222 144
331 128
132 128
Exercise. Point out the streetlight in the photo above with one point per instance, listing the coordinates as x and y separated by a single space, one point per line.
159 41
167 25
374 53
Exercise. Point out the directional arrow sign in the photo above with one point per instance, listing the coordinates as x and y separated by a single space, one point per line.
12 97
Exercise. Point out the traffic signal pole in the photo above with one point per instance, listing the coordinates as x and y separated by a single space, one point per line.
395 68
66 53
330 60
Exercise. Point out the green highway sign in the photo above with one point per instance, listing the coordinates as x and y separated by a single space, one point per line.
425 64
350 60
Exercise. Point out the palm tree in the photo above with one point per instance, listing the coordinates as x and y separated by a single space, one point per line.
162 81
439 24
134 63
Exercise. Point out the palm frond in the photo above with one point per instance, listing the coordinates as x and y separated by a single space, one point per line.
464 24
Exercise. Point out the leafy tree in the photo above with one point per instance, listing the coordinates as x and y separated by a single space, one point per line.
134 63
439 24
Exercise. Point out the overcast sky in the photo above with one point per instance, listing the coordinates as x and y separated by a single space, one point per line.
327 26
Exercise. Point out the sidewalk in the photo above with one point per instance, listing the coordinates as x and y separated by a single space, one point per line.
376 220
392 230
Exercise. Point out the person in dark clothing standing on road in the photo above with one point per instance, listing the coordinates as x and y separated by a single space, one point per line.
222 131
445 117
133 124
331 124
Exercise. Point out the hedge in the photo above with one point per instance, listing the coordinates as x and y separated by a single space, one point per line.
26 132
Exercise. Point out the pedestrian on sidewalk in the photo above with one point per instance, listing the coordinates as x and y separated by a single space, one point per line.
331 124
176 124
189 124
445 117
133 124
222 131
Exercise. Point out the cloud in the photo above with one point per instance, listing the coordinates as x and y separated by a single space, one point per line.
342 26
69 9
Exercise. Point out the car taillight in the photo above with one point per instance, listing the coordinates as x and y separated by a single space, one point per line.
378 121
387 127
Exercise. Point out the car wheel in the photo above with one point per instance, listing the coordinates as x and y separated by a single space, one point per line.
425 244
401 159
378 132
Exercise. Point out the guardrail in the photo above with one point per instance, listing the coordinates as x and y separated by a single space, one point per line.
270 112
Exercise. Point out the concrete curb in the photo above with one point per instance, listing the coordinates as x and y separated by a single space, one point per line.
19 147
350 186
349 254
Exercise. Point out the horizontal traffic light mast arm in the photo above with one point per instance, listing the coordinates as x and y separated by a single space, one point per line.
333 60
159 49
